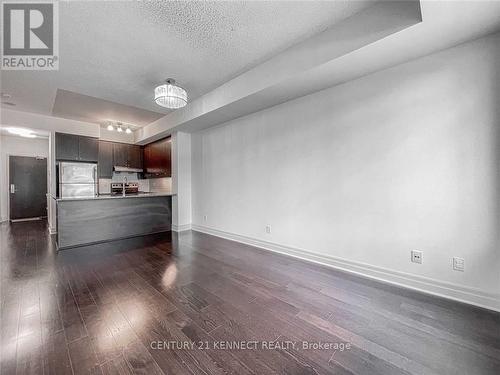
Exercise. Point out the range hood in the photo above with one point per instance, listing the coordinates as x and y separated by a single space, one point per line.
118 168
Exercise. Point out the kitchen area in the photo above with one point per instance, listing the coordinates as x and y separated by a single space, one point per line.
107 190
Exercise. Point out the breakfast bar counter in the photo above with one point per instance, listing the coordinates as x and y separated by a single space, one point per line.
84 221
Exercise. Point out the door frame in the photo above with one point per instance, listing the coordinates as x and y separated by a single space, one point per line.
7 182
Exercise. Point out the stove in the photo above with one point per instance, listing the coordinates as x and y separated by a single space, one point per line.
130 188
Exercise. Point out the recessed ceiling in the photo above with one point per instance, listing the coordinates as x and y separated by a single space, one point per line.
119 51
87 108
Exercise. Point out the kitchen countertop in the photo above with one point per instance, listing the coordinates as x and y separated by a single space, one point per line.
117 196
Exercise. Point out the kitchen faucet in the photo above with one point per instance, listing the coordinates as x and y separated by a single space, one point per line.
124 182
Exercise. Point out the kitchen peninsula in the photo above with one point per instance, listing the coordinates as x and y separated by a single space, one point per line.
108 191
84 221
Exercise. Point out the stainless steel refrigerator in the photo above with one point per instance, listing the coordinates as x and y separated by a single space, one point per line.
77 180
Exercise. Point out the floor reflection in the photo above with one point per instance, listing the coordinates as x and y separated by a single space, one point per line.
169 276
97 309
86 298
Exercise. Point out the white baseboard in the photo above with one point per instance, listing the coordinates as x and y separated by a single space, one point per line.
181 228
452 291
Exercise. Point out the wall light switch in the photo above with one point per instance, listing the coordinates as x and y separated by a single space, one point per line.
416 256
205 217
459 264
268 229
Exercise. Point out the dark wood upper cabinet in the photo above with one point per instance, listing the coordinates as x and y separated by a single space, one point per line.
120 156
168 157
88 149
67 146
158 158
135 156
125 155
70 147
105 166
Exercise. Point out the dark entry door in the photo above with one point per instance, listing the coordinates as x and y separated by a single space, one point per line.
27 187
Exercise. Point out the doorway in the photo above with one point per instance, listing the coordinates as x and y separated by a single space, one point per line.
27 187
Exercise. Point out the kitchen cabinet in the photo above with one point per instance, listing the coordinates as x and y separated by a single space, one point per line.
120 157
105 162
126 155
67 147
168 158
70 147
107 154
88 149
135 156
158 158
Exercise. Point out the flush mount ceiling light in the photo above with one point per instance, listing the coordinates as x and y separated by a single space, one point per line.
169 95
110 128
21 132
128 131
119 129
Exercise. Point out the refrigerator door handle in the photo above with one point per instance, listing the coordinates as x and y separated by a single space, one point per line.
96 183
61 173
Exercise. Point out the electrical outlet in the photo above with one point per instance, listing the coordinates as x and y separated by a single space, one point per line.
205 217
416 256
268 229
459 264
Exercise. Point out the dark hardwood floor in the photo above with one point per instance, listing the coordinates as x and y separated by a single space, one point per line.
106 309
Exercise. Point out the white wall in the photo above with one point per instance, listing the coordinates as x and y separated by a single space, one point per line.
181 181
114 136
52 125
16 146
358 175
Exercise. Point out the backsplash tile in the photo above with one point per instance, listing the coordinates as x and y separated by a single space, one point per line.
104 186
161 185
156 185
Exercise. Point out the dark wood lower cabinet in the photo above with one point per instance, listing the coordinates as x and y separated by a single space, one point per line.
84 221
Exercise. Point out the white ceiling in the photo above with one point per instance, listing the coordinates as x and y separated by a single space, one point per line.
119 50
443 24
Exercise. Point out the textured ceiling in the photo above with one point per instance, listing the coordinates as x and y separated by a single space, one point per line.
119 50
